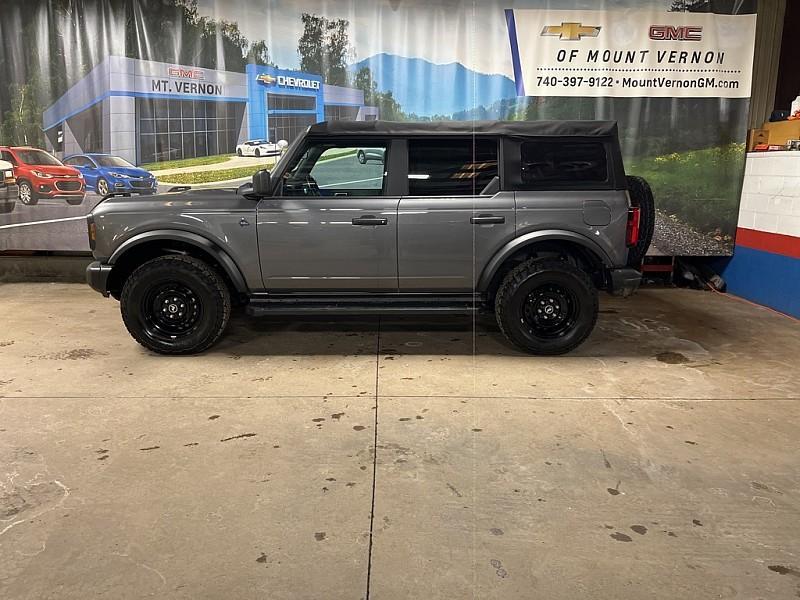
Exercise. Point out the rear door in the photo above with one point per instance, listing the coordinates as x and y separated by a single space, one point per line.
332 227
449 223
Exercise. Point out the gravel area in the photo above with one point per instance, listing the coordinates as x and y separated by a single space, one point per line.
673 237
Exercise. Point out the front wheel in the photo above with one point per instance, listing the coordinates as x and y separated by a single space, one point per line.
175 305
238 152
258 153
546 306
102 187
27 195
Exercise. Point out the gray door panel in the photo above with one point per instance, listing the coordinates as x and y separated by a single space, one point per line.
312 244
443 243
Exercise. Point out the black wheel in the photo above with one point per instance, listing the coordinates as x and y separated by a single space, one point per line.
238 152
362 157
102 187
75 200
258 153
175 305
642 196
546 306
27 195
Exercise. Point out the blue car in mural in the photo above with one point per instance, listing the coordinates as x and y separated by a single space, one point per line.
105 174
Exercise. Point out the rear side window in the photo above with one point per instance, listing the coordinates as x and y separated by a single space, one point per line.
556 162
451 167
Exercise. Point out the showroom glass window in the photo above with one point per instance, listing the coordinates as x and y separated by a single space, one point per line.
334 170
451 166
550 163
175 129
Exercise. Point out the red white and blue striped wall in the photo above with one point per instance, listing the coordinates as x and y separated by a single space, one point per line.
765 267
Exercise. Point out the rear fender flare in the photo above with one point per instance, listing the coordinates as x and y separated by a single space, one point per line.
534 237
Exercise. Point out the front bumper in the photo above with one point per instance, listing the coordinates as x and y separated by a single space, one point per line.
97 277
133 186
624 281
47 188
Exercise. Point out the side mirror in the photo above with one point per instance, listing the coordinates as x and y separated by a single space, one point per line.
262 183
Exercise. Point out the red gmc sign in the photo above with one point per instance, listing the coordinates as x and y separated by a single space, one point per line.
683 33
186 73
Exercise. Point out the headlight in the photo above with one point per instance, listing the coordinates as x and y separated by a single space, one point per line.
119 175
42 175
8 174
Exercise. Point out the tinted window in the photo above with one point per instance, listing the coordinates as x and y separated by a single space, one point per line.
334 170
37 157
548 162
112 161
451 167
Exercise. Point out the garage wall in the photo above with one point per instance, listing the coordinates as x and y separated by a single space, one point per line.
765 267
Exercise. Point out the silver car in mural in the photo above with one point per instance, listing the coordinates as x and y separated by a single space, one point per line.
526 219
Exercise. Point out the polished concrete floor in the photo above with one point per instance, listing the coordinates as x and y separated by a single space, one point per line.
409 458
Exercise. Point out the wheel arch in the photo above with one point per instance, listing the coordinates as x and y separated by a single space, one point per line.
585 251
151 244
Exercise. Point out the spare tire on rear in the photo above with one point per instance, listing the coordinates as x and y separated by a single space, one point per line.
642 197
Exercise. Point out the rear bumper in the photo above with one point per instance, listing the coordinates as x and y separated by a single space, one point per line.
97 277
624 281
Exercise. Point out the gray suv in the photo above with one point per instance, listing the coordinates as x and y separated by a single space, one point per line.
528 219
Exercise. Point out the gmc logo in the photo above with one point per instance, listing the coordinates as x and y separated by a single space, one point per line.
186 73
683 33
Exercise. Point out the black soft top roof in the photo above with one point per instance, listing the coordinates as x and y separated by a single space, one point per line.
521 128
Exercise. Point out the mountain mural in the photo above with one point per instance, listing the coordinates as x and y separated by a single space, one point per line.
426 88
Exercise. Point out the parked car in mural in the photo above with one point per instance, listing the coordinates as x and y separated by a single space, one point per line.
261 148
8 187
526 219
104 173
39 174
365 155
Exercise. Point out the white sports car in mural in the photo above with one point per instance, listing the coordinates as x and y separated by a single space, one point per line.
261 148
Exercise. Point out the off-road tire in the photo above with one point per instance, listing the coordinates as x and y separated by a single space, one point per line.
642 196
33 198
534 277
207 288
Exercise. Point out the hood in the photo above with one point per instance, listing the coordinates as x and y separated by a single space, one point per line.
131 171
203 200
55 169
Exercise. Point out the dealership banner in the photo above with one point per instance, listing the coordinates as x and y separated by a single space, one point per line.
631 53
139 96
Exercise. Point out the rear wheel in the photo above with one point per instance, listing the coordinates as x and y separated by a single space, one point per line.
642 196
362 157
546 306
27 195
175 305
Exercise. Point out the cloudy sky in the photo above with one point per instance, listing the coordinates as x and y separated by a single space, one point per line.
472 32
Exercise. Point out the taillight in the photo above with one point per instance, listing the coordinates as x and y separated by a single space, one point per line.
92 231
632 230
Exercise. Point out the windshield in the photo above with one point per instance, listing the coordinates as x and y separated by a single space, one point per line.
37 157
113 161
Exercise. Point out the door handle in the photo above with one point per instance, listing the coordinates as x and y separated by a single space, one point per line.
487 219
369 220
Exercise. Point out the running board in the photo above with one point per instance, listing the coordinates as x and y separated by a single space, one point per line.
264 307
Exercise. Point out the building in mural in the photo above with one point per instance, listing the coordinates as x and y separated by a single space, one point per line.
147 111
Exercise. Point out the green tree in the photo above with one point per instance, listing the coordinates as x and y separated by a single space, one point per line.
22 120
388 108
258 54
324 47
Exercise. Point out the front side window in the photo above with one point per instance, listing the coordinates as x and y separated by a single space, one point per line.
337 170
555 162
451 167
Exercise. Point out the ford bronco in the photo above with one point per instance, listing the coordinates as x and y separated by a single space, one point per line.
528 219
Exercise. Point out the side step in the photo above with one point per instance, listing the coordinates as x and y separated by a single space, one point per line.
399 305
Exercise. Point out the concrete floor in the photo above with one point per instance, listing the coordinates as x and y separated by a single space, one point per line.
400 459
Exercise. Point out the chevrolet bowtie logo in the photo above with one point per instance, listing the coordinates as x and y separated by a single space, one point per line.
571 31
266 79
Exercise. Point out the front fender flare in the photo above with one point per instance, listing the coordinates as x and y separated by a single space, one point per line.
223 258
531 238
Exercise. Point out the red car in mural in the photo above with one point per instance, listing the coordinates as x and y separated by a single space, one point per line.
39 174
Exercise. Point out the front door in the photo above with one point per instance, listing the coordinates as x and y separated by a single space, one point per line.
331 227
452 221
